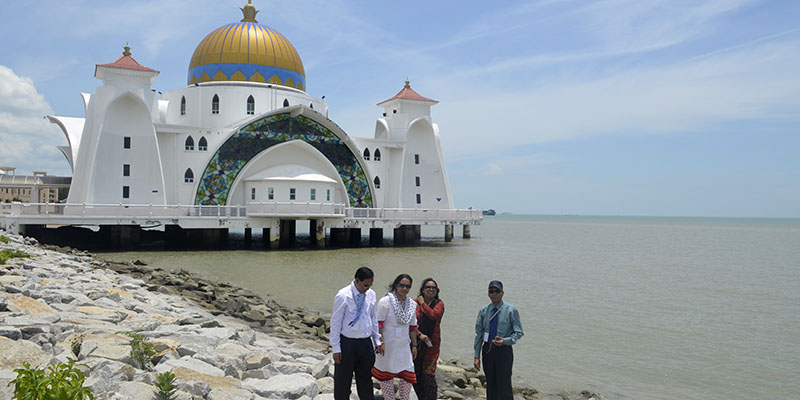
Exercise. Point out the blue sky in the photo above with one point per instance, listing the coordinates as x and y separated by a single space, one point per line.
621 107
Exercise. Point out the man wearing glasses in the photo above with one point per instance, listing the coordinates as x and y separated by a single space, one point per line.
497 328
354 336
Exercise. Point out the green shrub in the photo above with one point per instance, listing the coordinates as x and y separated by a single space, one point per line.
142 351
76 343
3 239
165 383
59 382
5 254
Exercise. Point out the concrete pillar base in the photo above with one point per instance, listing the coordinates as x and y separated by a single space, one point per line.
448 233
466 233
316 231
376 237
288 233
121 236
338 237
354 237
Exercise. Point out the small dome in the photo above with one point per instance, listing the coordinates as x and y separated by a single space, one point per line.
247 51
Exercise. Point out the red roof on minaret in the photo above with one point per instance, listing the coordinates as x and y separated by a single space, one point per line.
408 94
127 62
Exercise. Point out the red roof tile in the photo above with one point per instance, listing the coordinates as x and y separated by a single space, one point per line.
408 94
127 62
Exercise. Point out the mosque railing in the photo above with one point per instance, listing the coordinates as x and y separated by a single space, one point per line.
252 209
417 214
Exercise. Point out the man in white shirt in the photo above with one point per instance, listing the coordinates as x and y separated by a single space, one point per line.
354 336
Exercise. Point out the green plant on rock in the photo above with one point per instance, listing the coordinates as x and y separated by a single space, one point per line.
58 382
6 254
165 383
76 343
3 239
142 351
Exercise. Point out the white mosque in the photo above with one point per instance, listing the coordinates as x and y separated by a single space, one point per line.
244 134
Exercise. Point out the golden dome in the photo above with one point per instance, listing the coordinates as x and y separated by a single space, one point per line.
247 51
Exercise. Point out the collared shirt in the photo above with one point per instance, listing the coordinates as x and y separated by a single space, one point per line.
345 310
509 326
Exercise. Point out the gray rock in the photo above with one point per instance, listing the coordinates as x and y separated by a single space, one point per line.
132 391
320 369
196 388
284 386
15 352
256 360
325 384
10 332
230 394
290 367
190 363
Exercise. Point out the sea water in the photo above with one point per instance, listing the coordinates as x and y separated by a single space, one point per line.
630 307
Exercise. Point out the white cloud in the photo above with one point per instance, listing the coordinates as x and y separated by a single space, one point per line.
748 83
27 140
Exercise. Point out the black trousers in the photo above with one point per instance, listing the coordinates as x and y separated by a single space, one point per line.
358 356
497 363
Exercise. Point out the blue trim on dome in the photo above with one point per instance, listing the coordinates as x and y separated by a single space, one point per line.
248 70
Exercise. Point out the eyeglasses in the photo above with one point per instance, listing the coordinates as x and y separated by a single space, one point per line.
431 287
494 291
404 286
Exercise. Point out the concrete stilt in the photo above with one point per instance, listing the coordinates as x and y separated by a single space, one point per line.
174 235
376 237
338 237
248 236
466 234
210 237
448 233
417 232
122 236
316 231
399 236
354 237
288 233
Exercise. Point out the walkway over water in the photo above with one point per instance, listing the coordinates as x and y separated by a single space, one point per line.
277 220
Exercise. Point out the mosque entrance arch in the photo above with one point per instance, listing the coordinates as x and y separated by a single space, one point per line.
216 183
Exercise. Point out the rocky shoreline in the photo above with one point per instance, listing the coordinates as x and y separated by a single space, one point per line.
220 341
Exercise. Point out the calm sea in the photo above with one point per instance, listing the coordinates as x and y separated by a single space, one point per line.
631 307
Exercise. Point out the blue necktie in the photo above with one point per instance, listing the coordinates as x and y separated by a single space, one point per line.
493 324
360 306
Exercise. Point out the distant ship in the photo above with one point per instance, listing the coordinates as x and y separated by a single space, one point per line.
489 212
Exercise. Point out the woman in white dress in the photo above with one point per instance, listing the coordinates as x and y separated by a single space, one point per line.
397 322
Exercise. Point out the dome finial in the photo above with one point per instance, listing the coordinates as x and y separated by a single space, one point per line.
249 12
127 50
408 84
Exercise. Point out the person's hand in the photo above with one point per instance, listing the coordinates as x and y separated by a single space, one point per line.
420 299
337 358
498 341
414 352
380 350
477 364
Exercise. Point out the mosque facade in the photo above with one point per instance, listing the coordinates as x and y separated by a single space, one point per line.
245 132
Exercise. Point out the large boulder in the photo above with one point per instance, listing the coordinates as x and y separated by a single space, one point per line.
190 363
284 386
24 304
230 394
13 353
132 391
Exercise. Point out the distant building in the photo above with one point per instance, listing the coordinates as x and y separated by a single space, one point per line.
39 188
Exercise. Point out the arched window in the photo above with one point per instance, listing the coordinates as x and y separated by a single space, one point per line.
366 154
377 155
377 182
183 105
188 176
311 105
215 105
202 145
286 102
251 105
189 144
